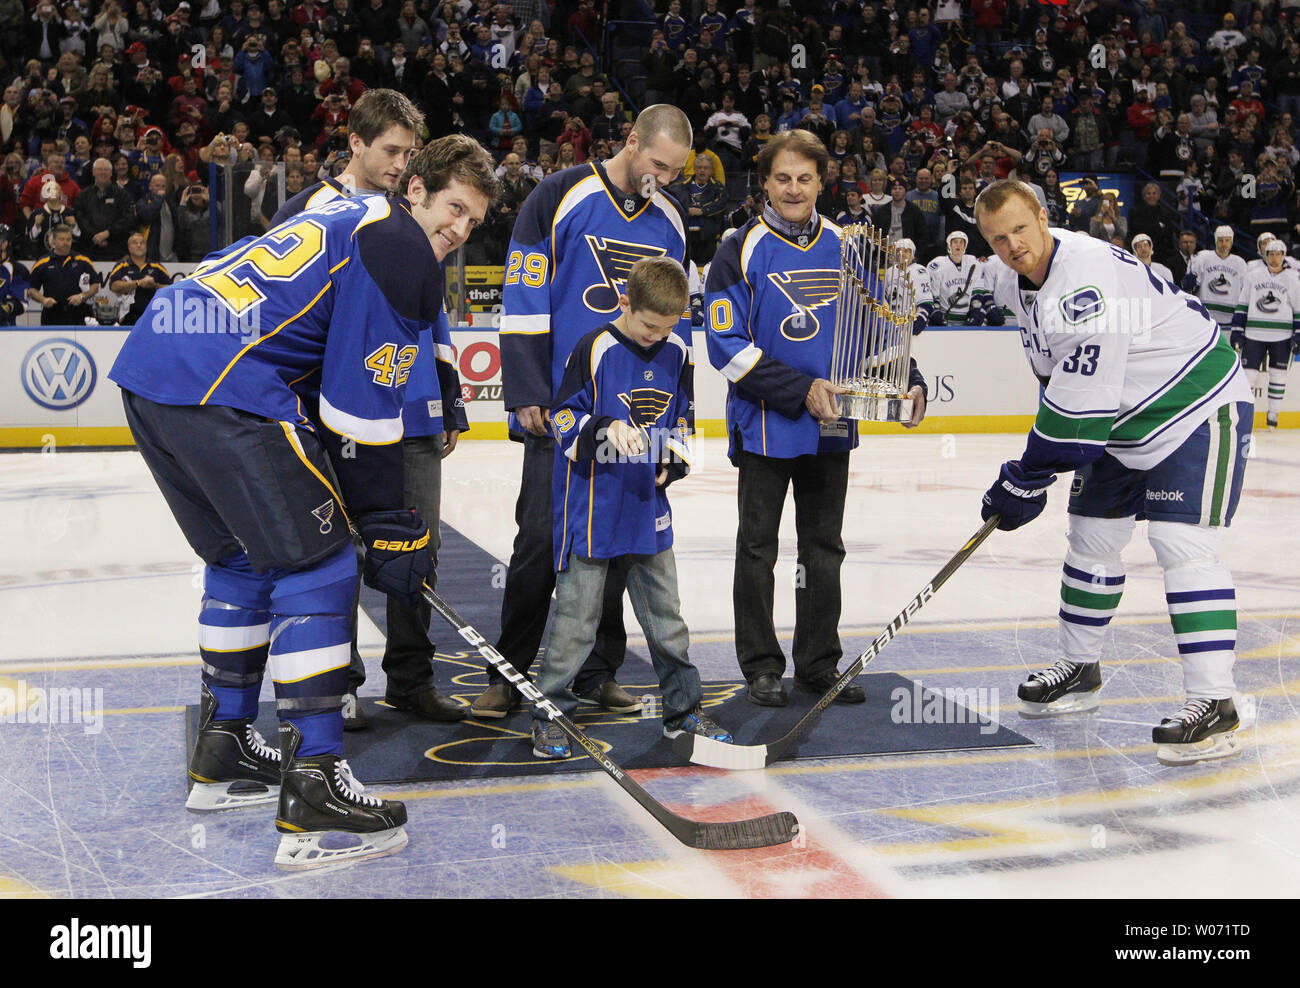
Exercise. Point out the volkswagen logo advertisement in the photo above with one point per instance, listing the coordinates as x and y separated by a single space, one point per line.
58 374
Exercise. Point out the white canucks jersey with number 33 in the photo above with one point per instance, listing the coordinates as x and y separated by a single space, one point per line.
1131 364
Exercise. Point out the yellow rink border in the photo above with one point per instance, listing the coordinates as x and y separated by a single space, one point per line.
37 437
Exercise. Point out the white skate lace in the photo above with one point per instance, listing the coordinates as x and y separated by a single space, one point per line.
253 738
351 787
1055 674
1192 711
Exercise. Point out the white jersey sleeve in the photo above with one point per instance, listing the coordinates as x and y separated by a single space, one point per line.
1131 364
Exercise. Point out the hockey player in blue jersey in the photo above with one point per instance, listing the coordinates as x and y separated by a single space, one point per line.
324 311
577 236
621 422
381 134
1146 403
770 302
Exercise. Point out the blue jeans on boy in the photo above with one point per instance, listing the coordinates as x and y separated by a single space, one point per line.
652 587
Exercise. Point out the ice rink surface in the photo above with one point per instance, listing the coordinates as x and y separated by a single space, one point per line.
99 592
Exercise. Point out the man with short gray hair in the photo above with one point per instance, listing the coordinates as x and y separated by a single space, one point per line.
106 213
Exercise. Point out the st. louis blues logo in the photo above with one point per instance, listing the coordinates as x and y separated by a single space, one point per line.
647 405
1219 284
615 259
807 291
325 515
1081 304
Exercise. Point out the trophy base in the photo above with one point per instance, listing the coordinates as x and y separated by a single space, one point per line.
876 407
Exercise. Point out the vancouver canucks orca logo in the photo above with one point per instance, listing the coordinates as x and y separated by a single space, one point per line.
615 259
1082 303
807 290
1219 284
1269 303
647 405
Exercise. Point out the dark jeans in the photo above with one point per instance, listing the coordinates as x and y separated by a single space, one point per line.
820 484
408 654
531 579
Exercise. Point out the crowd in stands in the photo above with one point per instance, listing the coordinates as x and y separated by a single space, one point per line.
116 116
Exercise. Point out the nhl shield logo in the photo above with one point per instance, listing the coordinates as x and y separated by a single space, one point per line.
803 240
649 375
325 514
629 204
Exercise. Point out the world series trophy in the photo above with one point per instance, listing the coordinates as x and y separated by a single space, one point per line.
873 328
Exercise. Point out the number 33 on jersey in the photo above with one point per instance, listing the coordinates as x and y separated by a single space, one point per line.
1131 364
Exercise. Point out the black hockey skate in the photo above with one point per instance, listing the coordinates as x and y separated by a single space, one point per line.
319 799
1201 730
232 765
1061 688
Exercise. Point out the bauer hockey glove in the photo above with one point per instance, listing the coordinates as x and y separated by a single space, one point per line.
976 316
1019 496
994 315
937 318
397 553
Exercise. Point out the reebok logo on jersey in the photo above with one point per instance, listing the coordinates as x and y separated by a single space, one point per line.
1164 495
1081 304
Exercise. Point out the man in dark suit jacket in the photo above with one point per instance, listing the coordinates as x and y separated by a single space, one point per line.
899 218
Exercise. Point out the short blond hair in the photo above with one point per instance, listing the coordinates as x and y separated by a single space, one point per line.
665 119
999 193
658 284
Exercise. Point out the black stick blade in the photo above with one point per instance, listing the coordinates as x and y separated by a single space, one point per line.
763 831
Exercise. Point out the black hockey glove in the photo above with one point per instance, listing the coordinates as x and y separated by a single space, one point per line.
994 315
937 318
1019 496
920 322
397 553
1190 284
1295 342
976 316
1236 338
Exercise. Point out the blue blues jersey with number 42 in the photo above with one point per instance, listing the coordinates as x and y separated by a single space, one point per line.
316 321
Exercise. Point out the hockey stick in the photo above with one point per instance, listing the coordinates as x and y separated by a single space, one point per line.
960 295
764 831
704 751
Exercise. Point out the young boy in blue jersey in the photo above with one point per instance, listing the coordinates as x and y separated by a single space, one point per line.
620 419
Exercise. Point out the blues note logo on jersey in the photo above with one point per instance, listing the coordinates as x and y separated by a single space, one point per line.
325 514
1081 304
807 290
615 259
647 405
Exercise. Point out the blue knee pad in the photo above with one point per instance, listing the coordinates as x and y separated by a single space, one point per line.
234 581
326 587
